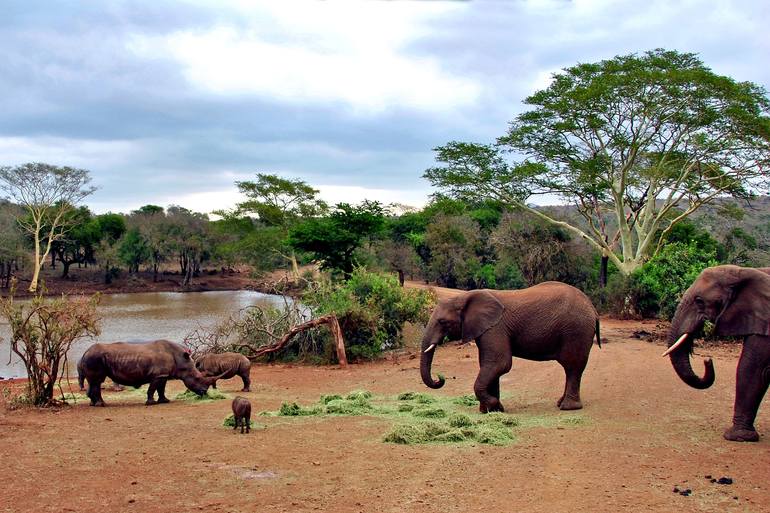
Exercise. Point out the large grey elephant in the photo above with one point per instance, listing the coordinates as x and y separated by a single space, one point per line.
138 364
737 300
550 321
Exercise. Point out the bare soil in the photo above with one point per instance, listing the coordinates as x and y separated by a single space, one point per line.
644 434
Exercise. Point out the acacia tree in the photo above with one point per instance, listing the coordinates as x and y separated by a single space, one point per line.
48 193
280 202
334 239
635 143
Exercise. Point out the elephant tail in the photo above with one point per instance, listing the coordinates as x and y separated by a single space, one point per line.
598 336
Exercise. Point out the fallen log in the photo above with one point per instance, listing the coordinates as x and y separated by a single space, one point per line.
334 328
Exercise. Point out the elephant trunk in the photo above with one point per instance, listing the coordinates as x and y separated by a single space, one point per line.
426 359
688 322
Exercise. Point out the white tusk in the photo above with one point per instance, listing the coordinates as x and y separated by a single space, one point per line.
676 344
430 348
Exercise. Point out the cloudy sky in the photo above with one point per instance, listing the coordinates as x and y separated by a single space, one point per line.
171 102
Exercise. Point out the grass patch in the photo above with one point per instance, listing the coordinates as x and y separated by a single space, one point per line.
210 395
230 423
427 419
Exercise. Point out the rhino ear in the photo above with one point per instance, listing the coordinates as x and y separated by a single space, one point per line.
747 311
481 311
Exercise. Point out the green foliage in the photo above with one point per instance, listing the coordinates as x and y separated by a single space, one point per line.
657 287
334 239
576 142
133 250
372 309
42 331
230 422
210 395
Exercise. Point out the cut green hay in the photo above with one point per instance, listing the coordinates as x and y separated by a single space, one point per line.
295 410
230 422
427 419
499 418
210 395
459 420
466 400
359 395
429 412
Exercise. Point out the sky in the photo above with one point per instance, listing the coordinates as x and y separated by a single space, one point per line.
172 102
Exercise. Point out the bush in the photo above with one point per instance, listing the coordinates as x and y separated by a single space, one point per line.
372 309
42 333
655 289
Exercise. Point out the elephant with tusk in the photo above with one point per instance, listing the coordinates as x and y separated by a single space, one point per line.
550 321
737 300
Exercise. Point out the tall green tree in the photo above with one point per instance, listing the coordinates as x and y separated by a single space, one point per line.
333 239
626 141
280 202
47 193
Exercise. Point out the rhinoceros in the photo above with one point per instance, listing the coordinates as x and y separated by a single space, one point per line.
225 365
134 365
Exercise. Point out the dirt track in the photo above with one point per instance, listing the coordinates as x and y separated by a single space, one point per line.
644 433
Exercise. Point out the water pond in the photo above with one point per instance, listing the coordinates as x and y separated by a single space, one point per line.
149 316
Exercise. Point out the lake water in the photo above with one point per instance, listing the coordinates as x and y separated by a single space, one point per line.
149 316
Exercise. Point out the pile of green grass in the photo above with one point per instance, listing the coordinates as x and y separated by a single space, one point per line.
230 422
210 395
422 418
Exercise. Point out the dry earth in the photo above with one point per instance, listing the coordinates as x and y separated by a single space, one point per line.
644 433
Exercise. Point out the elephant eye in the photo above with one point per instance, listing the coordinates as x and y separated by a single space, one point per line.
699 302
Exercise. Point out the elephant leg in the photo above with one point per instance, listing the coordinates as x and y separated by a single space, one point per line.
162 391
752 379
493 363
95 391
573 371
246 382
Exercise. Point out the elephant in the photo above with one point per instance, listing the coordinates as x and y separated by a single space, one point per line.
227 365
134 365
737 300
549 321
242 413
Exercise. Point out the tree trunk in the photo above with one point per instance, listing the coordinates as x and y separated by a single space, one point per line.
603 271
400 277
334 328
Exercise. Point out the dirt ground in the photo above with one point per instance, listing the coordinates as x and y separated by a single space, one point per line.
644 433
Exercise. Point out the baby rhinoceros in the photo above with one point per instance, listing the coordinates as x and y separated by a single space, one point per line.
242 413
225 366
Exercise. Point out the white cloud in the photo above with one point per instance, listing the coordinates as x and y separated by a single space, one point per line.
320 52
61 151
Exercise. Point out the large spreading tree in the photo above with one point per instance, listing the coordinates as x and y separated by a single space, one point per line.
279 203
48 194
636 143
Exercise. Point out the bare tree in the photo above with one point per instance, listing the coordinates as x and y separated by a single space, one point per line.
47 193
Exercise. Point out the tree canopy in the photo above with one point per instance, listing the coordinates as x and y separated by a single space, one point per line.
636 143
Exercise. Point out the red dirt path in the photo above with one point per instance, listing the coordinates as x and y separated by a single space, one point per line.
646 432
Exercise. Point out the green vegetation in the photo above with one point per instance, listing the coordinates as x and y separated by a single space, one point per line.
229 422
422 418
627 141
372 309
210 395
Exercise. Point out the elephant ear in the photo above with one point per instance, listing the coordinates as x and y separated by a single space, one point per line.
748 310
482 310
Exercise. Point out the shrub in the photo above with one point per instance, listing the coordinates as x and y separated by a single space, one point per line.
42 332
372 309
655 289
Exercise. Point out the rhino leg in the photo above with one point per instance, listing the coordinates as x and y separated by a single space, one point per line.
151 393
95 392
162 391
246 382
